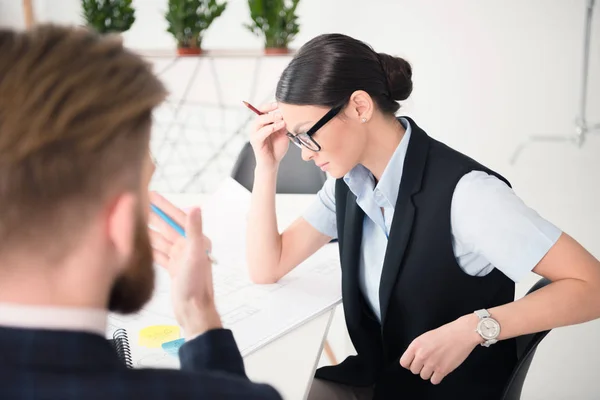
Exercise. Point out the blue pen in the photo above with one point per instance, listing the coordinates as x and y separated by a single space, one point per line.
175 226
167 219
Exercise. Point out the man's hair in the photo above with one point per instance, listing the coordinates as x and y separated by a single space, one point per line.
75 118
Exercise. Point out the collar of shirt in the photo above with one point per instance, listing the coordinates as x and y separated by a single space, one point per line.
360 179
53 318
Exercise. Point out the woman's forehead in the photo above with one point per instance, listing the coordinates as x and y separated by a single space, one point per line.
297 117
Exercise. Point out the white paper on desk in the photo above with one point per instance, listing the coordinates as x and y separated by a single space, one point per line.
224 220
257 314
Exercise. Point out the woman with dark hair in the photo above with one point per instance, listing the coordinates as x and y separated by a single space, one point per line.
431 241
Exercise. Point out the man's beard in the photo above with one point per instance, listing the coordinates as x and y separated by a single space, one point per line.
134 287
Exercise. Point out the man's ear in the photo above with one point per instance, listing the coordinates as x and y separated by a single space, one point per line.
121 225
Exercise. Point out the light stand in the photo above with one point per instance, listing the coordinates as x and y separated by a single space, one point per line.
582 127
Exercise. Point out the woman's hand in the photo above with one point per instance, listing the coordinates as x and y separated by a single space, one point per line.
436 353
269 137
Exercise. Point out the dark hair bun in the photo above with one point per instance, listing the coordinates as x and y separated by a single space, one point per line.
399 76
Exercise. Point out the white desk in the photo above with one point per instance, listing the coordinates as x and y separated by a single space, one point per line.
289 362
288 359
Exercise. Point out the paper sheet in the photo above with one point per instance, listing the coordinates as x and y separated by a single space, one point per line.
257 314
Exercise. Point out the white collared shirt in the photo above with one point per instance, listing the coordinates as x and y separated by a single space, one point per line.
491 226
14 315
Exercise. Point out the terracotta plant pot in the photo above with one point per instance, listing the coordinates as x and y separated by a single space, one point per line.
189 51
276 50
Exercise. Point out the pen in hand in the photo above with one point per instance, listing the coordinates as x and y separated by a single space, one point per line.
175 226
167 219
251 107
257 112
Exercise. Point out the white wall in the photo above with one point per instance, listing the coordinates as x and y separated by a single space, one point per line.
486 75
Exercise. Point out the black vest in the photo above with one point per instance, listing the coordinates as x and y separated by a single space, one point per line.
422 286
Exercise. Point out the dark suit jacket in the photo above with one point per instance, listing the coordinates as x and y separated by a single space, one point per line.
44 364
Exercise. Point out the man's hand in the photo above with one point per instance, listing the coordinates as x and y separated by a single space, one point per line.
187 260
192 290
436 353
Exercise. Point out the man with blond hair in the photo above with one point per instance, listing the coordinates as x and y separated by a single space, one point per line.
75 119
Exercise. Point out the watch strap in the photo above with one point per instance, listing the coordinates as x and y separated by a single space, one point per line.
489 342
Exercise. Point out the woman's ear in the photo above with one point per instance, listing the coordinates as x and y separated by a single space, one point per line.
361 106
120 226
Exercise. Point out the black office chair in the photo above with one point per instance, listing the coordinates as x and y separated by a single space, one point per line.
526 347
295 175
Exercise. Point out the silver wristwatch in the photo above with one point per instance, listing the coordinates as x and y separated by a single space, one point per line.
487 327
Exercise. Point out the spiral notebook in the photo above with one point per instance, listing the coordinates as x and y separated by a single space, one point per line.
120 343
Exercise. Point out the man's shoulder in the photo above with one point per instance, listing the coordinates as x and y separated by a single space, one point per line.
129 384
207 384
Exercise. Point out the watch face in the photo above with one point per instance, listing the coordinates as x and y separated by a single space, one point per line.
489 328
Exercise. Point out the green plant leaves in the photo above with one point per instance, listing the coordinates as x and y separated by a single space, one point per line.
275 20
188 19
109 16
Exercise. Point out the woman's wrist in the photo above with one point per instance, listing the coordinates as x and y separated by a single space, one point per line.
266 170
469 326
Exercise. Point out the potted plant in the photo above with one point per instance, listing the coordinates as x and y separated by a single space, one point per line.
109 16
188 19
275 21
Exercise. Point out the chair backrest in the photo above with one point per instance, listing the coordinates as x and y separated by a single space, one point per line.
526 347
295 175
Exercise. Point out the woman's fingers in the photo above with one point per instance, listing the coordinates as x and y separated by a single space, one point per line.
427 372
265 108
416 366
263 133
437 378
266 119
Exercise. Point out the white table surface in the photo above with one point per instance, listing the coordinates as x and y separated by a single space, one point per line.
288 206
288 363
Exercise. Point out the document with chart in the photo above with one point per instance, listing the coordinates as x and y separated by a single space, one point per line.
256 314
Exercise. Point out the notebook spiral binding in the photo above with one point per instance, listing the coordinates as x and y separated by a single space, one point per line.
121 344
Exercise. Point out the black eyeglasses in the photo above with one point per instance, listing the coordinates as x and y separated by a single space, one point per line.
305 139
